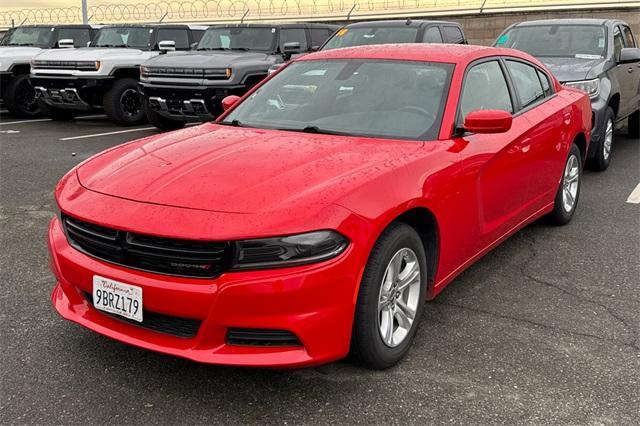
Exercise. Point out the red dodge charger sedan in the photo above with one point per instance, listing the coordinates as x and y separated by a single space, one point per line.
316 216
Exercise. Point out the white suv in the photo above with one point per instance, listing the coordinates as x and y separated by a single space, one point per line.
105 75
18 46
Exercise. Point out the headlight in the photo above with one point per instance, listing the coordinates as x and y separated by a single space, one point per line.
144 71
288 251
217 72
273 68
592 87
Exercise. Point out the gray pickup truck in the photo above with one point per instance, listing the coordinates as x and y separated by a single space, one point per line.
183 87
598 56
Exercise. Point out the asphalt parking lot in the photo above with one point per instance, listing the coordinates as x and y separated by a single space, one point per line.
542 330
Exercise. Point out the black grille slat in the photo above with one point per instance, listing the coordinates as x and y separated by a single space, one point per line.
175 326
260 337
197 259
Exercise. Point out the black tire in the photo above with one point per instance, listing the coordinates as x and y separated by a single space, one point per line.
634 125
161 122
56 114
560 214
602 158
20 97
367 345
123 103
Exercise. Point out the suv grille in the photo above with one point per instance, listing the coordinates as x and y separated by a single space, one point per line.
176 326
177 72
155 254
66 65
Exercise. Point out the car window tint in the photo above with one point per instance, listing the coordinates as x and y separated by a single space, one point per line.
453 34
290 35
628 37
485 88
432 35
546 84
319 36
80 36
618 42
180 37
526 81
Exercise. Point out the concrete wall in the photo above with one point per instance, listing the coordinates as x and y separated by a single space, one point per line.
484 29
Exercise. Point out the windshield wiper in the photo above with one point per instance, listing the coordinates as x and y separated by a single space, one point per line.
111 45
235 123
213 48
316 129
243 49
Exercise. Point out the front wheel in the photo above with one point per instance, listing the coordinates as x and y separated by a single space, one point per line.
390 299
569 189
20 97
123 103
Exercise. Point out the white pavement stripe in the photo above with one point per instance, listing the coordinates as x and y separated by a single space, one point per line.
24 121
95 135
634 197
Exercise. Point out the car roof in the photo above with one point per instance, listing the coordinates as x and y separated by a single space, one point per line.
283 25
57 26
573 21
447 53
399 23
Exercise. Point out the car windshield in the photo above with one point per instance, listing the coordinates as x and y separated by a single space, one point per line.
29 36
135 37
238 38
571 41
376 98
360 36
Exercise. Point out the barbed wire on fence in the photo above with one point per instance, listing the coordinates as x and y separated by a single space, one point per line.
232 10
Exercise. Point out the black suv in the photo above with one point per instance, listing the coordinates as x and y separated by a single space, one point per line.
396 31
230 59
599 56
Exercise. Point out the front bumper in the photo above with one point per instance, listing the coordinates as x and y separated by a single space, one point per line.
187 104
73 93
314 302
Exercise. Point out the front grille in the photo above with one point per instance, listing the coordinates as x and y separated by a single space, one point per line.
155 254
66 65
261 337
179 72
175 326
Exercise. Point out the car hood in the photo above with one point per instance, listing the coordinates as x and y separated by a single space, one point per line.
17 54
241 170
207 59
90 54
573 69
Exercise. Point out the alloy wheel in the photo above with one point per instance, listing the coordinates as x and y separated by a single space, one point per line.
608 140
570 183
131 102
26 97
399 297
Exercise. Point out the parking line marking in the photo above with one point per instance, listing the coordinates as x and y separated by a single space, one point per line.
25 121
96 135
634 197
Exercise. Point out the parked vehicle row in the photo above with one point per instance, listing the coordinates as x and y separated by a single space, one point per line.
316 215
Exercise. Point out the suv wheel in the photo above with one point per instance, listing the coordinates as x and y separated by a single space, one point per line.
602 157
161 122
20 97
123 103
634 125
390 299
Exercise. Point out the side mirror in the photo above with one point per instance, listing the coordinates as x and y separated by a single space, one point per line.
193 45
167 46
488 121
229 101
629 55
88 44
289 49
65 43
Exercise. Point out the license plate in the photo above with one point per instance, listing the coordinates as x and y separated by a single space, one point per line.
117 298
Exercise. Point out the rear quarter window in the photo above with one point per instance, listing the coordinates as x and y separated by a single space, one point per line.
432 35
453 34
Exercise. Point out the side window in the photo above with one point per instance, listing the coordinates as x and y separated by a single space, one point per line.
80 36
628 37
319 36
288 35
196 35
180 37
432 35
546 84
453 34
618 42
485 88
526 82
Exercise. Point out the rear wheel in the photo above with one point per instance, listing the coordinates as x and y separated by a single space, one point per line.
602 157
56 114
390 299
20 97
161 122
569 189
123 103
634 125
